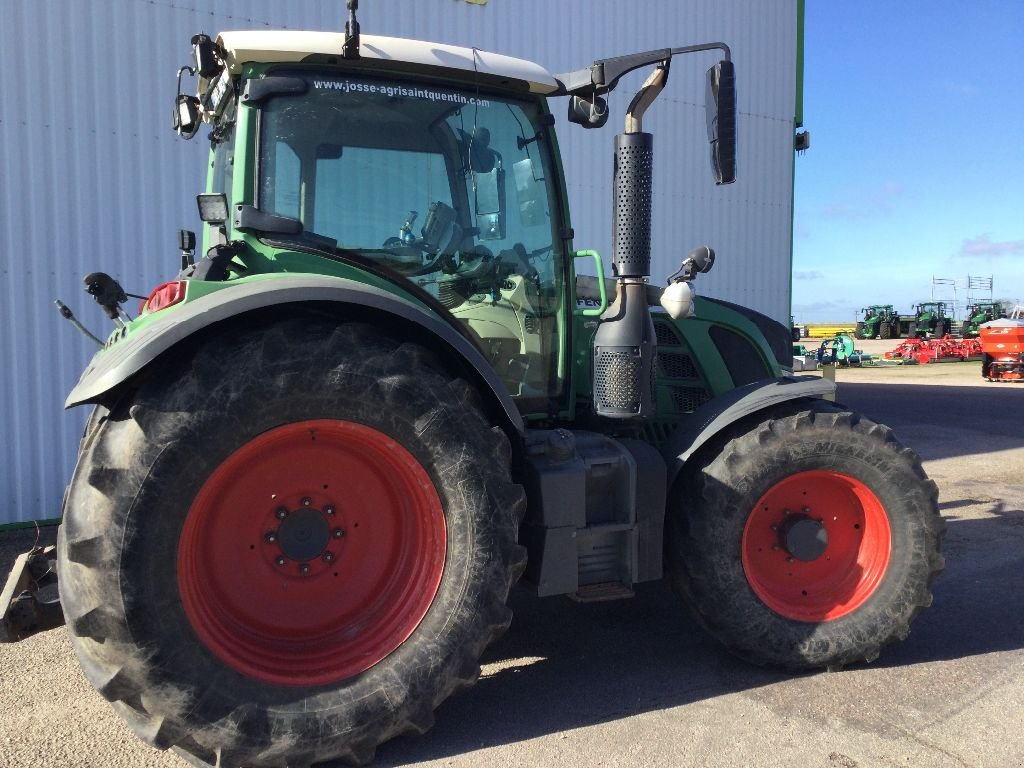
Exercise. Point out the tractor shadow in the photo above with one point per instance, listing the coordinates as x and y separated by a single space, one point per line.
979 598
564 665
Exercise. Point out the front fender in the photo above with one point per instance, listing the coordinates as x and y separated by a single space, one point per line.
711 418
112 367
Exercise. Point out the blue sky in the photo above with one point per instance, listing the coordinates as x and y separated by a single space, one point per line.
916 165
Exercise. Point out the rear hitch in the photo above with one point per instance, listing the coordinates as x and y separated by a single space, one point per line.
29 602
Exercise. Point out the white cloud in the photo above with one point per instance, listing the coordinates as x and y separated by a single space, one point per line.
983 245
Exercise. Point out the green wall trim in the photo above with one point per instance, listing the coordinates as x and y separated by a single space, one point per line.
799 106
798 121
30 524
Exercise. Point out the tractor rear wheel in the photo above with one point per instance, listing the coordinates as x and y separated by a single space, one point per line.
885 331
807 540
290 550
859 330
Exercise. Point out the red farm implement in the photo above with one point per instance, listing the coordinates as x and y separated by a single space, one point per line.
944 350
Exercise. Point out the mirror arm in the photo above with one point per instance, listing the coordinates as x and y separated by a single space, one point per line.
705 47
604 74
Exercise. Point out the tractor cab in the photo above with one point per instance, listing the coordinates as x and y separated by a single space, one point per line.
449 192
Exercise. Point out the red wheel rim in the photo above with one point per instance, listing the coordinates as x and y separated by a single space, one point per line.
311 553
852 564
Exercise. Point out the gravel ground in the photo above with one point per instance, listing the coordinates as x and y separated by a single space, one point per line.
637 683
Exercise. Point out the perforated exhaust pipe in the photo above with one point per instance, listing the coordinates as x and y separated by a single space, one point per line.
625 348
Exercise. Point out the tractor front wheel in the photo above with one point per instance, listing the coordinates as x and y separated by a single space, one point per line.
808 540
290 548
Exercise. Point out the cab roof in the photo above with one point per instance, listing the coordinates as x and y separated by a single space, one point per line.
266 46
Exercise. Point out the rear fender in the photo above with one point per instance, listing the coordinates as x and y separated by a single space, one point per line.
714 417
112 368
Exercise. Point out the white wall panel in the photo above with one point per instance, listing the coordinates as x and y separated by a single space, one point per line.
92 177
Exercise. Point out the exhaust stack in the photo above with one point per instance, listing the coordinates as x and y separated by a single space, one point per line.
624 345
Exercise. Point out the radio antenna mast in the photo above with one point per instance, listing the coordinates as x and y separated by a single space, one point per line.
351 48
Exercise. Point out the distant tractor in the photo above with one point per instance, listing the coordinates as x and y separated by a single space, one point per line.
981 312
880 320
931 319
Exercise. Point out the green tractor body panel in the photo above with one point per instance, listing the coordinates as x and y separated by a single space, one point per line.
722 347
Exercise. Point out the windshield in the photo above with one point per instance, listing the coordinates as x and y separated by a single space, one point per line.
450 189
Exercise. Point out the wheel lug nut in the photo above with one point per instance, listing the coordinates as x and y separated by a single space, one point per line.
270 537
338 532
304 568
775 527
329 510
280 561
775 547
281 513
307 501
806 510
328 557
790 559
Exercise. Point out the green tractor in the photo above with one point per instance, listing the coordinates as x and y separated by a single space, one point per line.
981 312
930 319
322 454
880 320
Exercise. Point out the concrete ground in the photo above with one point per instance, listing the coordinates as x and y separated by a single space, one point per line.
637 683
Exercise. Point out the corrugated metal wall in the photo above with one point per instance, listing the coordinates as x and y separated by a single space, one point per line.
92 177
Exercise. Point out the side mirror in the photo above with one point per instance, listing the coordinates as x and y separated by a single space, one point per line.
489 199
720 105
529 194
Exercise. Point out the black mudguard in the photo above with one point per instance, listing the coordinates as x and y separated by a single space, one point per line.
710 419
112 367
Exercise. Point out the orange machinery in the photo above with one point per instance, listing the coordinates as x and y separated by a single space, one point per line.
1002 347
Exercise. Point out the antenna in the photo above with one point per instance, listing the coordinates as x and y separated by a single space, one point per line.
351 47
